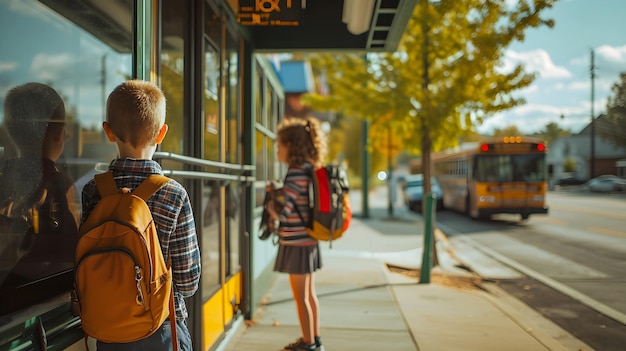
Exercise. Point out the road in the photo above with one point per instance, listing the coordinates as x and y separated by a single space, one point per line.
570 265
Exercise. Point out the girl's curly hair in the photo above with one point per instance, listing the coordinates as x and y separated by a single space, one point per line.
304 139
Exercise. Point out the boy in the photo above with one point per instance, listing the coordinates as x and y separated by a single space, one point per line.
135 122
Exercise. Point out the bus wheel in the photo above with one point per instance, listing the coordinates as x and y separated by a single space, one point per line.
468 209
525 216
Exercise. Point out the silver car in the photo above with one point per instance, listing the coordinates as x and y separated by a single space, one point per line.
413 190
606 183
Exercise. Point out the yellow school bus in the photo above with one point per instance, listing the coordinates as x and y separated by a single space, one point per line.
494 175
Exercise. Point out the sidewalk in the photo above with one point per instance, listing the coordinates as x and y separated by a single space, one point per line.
370 299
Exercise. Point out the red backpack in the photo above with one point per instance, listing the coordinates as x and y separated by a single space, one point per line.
329 201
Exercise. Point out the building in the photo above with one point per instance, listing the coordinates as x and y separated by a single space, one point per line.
576 150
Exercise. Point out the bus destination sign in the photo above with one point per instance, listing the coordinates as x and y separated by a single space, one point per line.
269 12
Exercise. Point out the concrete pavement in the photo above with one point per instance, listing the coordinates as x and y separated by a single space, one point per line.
371 300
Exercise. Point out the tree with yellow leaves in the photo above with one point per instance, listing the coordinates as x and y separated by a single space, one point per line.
446 77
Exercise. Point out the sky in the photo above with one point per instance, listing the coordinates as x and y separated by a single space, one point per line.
561 58
52 50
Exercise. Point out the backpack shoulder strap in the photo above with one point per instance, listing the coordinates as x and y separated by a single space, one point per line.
150 186
106 184
310 172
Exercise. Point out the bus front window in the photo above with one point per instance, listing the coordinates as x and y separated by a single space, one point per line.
493 168
529 168
510 168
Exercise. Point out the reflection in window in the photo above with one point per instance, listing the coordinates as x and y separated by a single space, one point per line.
260 156
211 105
232 102
82 60
258 95
212 200
233 203
172 74
233 155
210 234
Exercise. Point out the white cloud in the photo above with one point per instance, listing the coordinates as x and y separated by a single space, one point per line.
50 67
579 86
609 62
612 54
537 109
538 61
7 66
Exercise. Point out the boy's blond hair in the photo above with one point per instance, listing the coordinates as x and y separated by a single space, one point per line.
304 139
135 112
31 111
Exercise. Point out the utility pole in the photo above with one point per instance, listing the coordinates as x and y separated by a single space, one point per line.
390 171
365 161
103 92
365 169
592 166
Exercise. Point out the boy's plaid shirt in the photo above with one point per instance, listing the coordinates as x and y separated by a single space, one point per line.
173 217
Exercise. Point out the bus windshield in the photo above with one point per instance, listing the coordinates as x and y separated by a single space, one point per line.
510 168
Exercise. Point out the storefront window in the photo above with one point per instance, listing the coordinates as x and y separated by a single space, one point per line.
172 72
63 61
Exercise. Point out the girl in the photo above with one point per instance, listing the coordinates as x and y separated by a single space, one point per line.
302 147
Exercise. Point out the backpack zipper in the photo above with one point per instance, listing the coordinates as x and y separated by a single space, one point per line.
139 299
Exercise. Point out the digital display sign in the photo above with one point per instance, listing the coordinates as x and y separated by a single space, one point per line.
269 12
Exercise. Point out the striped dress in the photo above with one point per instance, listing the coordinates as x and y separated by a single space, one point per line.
298 253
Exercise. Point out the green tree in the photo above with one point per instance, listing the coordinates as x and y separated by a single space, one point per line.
552 131
445 78
171 83
343 146
614 125
507 131
569 165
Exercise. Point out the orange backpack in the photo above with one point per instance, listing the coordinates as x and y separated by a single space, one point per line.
123 284
329 203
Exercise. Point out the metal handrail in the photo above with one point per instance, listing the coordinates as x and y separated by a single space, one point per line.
206 175
200 162
243 174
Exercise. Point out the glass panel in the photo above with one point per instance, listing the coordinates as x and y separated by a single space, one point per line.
233 152
210 238
233 203
492 169
211 105
260 156
232 103
172 75
529 168
211 190
82 61
511 168
272 167
51 148
258 94
280 115
268 106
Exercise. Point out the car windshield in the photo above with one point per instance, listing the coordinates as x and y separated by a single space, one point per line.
420 182
414 183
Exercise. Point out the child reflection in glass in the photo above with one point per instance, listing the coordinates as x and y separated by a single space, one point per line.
38 220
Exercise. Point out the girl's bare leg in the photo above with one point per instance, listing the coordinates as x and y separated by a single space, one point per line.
301 288
315 306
